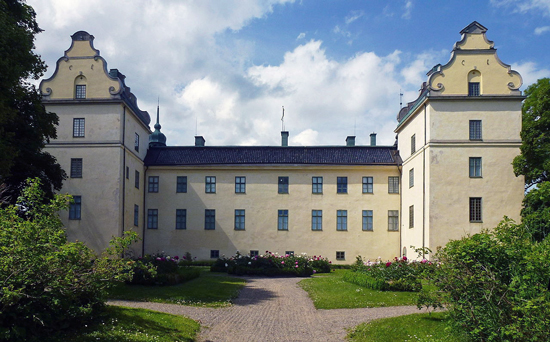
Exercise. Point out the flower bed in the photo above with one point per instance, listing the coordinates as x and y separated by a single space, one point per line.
272 264
397 275
161 270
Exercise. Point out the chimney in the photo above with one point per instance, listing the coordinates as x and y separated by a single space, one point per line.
373 139
199 141
284 138
350 140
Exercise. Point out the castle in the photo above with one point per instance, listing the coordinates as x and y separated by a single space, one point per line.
449 173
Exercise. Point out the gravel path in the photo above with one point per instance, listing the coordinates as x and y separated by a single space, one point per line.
273 309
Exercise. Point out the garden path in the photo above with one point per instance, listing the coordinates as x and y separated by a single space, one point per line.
273 309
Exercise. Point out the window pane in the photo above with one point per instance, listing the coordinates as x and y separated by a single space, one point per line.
475 167
214 254
209 219
181 219
153 184
473 89
78 128
475 130
317 185
413 143
136 215
152 218
210 184
411 178
393 220
136 142
75 208
341 220
283 185
282 223
239 219
76 168
367 220
475 209
411 216
80 92
342 185
240 185
367 185
136 182
393 185
181 184
316 220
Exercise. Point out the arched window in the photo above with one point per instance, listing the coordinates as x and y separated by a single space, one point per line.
474 83
80 87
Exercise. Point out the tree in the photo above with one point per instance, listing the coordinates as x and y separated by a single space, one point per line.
47 283
534 161
25 125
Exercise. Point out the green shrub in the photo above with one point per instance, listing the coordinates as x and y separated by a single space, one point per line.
49 284
272 264
496 284
160 269
399 275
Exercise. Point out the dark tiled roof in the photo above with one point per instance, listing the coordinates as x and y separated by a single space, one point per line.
226 155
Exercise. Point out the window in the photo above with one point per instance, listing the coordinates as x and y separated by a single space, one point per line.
317 185
393 185
80 91
367 185
210 184
214 253
367 220
411 178
473 89
136 215
282 222
78 128
475 209
153 184
475 167
76 167
239 219
475 130
393 220
289 253
340 255
411 216
283 185
413 143
209 219
136 179
127 172
152 218
254 253
341 220
181 184
136 142
181 219
240 185
342 185
75 208
316 220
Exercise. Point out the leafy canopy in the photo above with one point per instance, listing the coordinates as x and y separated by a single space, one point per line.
25 125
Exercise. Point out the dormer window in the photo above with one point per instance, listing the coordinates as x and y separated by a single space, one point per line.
80 87
474 83
80 91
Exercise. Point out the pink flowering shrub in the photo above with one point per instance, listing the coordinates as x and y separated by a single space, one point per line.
396 275
272 264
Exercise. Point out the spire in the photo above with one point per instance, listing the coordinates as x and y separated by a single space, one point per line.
157 138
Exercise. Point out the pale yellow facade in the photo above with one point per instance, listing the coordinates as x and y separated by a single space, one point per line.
423 192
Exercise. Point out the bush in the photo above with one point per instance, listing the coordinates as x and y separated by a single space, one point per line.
49 284
159 269
496 284
399 275
272 264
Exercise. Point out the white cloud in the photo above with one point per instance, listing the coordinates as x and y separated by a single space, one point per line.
541 30
307 137
522 6
353 16
530 73
341 31
302 35
408 9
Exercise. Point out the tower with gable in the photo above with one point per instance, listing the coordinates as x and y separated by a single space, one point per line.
457 141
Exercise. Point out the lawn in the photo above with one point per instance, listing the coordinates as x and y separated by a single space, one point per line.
120 324
417 327
208 290
330 291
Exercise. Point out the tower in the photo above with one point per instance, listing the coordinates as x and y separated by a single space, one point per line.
457 141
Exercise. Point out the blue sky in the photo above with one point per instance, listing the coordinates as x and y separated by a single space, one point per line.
224 69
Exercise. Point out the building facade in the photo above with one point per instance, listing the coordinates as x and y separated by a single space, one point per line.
449 173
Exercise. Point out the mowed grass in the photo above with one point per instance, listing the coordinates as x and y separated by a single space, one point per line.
330 291
208 290
119 324
417 327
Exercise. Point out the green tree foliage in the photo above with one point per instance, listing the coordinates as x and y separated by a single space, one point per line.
496 284
25 125
534 161
47 283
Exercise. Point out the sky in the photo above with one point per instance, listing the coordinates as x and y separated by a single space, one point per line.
224 69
